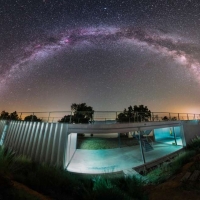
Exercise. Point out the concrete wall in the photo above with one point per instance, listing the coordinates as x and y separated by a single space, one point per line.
191 129
166 132
120 128
55 143
71 147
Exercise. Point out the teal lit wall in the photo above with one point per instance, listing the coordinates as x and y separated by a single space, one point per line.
166 135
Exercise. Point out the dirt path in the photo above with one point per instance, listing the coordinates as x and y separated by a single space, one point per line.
20 186
175 189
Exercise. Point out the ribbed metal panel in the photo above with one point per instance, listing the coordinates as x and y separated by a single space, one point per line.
22 130
23 138
14 134
31 138
61 147
18 135
49 144
9 134
35 139
44 142
2 125
55 143
39 141
3 131
27 139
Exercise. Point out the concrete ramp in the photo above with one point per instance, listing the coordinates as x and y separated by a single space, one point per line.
115 160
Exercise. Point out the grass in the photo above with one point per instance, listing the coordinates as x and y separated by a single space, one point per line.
16 194
104 143
165 171
9 165
6 161
60 184
195 144
49 180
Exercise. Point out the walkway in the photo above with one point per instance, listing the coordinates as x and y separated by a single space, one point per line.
115 160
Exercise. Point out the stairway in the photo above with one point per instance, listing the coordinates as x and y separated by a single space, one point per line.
146 145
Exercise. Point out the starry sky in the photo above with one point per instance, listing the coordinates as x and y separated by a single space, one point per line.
107 53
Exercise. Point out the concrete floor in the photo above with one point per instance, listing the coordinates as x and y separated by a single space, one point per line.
114 160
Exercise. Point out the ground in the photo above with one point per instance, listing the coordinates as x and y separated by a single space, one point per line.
174 188
26 189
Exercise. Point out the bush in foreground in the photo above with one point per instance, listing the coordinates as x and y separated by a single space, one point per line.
165 171
195 144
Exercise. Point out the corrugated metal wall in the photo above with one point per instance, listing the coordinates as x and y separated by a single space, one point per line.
2 124
42 142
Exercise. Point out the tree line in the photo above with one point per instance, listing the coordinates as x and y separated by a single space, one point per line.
14 116
82 113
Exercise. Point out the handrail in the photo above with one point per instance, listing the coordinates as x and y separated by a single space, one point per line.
108 116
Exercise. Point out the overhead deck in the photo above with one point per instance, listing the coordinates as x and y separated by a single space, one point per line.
117 128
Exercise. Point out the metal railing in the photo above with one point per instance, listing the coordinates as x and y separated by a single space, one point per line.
100 116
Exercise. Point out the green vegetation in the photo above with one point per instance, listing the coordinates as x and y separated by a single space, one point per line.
166 170
135 114
16 194
57 183
81 114
104 143
9 165
32 118
60 184
165 118
195 144
12 116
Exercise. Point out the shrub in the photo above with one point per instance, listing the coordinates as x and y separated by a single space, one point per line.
7 162
165 171
49 180
15 194
103 188
195 144
133 186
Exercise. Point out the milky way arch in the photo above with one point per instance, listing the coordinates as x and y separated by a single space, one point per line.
172 46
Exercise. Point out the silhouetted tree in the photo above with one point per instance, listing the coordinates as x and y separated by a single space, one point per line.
67 119
174 118
81 114
12 116
4 115
135 114
32 118
165 118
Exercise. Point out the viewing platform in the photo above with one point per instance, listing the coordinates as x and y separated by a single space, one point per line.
56 143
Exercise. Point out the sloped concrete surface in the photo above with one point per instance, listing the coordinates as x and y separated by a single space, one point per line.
114 160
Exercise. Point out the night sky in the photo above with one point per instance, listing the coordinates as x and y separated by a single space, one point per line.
107 53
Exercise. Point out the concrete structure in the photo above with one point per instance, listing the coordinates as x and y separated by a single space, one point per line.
55 143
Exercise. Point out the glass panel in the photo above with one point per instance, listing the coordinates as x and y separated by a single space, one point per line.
160 142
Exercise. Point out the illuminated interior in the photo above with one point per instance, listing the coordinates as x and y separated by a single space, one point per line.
142 148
